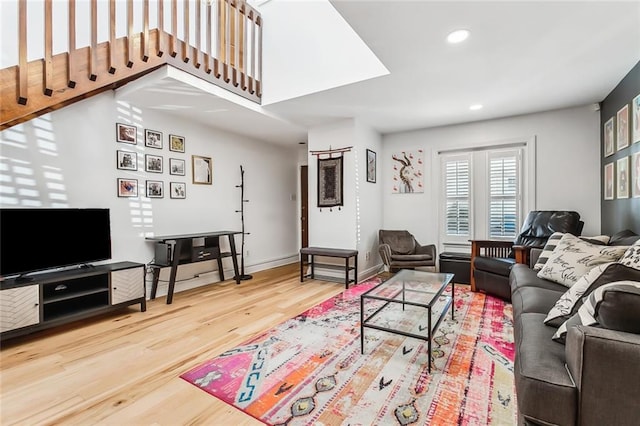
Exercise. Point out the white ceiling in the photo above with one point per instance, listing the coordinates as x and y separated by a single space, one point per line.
521 57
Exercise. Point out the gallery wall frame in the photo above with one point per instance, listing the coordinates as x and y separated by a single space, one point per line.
177 167
202 170
127 187
153 139
609 181
371 166
126 160
155 189
635 116
622 184
622 126
153 163
176 143
126 133
635 175
177 190
609 138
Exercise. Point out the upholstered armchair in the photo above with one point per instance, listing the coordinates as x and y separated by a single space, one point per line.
491 261
400 250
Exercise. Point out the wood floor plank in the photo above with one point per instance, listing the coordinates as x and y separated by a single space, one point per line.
124 367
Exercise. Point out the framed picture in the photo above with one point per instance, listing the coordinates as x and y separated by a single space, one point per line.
609 148
176 167
153 163
608 181
330 182
155 189
635 174
177 190
127 187
202 168
635 115
153 139
126 133
622 167
371 166
623 127
127 160
176 143
408 172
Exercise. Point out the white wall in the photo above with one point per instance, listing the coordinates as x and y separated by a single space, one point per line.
68 158
567 175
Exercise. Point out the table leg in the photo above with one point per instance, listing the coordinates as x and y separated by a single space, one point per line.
154 283
429 341
234 257
355 270
346 272
313 269
453 299
174 270
301 268
361 325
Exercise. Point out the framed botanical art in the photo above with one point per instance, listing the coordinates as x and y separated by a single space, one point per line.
330 182
153 163
176 143
202 169
155 189
177 190
126 160
609 181
609 141
127 187
635 116
622 169
176 167
408 172
622 139
635 175
126 133
371 166
153 139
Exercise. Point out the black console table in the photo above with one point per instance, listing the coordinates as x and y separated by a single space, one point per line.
174 250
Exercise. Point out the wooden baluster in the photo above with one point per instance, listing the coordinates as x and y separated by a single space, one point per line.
196 49
129 33
174 29
218 54
235 29
71 56
252 19
160 40
144 42
185 44
243 48
207 56
23 71
48 48
112 36
93 56
227 41
259 54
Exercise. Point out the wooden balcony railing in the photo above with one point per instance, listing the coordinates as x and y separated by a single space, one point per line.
220 42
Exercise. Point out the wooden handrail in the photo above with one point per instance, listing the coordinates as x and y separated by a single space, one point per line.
231 57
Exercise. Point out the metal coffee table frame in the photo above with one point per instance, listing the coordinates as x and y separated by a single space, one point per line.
404 276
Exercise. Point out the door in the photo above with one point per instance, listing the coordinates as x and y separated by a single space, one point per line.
304 206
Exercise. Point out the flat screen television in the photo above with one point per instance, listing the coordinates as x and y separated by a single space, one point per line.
36 239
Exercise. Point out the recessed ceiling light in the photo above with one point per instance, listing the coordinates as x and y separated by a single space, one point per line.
458 36
475 107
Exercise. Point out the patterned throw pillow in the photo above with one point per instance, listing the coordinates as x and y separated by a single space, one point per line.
573 258
553 241
631 257
588 312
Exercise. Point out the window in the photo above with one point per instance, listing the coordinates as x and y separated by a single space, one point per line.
457 193
504 194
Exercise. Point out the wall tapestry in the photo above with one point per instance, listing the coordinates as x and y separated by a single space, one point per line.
408 174
330 182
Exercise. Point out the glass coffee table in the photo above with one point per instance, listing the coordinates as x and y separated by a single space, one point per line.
423 292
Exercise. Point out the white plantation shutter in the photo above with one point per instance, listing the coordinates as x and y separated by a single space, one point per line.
504 194
457 194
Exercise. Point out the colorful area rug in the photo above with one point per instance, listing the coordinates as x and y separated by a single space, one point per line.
309 369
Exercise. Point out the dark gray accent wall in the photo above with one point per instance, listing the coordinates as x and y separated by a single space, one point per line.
619 214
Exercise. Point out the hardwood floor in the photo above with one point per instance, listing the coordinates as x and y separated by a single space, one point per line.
124 368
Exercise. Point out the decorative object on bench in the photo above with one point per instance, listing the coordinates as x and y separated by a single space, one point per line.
330 177
400 250
491 261
345 254
592 379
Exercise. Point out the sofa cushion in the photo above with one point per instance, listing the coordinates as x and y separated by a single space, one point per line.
545 391
400 242
552 242
495 265
623 238
523 276
411 257
624 295
573 258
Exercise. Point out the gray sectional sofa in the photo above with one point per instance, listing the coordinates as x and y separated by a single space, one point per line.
592 379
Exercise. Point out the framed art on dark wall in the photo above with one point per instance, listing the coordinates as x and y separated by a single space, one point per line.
635 117
608 181
635 175
622 167
126 133
177 190
127 160
371 166
622 116
127 187
609 142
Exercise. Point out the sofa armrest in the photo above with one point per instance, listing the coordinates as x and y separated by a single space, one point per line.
490 248
534 255
605 366
385 254
429 249
521 254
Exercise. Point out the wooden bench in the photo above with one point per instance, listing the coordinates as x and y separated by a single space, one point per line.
329 252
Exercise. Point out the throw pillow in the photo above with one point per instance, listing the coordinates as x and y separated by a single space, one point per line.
573 258
572 299
553 241
588 312
631 257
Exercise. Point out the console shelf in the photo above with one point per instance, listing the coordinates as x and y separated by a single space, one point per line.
60 297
